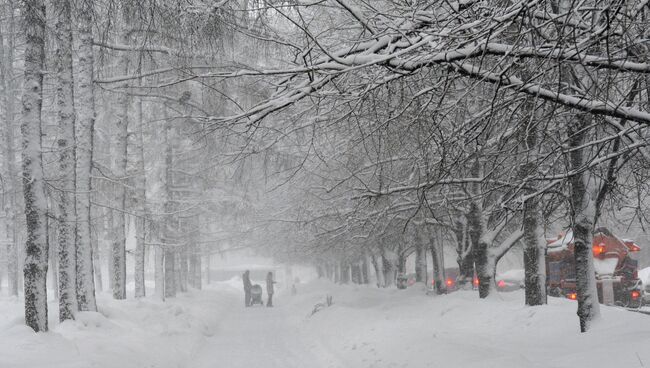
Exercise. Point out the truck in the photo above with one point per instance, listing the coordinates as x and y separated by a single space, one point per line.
616 272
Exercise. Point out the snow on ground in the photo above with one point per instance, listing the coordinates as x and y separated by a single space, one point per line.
132 333
366 327
397 328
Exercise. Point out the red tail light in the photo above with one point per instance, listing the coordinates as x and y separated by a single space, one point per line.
635 295
476 282
450 282
572 296
501 284
599 249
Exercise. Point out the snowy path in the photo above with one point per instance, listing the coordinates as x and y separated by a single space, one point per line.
260 337
366 327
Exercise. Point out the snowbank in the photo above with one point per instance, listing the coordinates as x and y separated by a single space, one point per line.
124 334
371 327
365 327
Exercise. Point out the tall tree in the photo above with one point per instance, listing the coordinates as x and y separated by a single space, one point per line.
84 130
11 173
36 246
141 203
534 242
118 253
583 212
64 101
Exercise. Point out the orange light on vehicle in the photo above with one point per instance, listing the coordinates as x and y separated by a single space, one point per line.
632 247
501 284
572 296
599 249
635 294
450 282
476 282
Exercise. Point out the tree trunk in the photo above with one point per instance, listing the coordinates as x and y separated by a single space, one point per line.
168 237
484 269
140 198
184 260
438 264
198 284
401 263
177 272
139 256
363 266
191 272
464 251
207 269
420 260
11 174
52 234
582 213
64 101
97 266
389 266
344 268
119 169
534 255
355 273
36 246
534 242
370 269
170 274
84 129
54 267
108 241
159 272
378 263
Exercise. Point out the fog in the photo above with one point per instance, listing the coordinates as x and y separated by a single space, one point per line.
337 183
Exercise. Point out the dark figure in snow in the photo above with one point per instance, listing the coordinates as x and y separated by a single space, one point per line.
247 288
269 288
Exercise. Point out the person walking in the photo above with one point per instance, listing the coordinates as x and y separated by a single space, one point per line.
269 289
247 288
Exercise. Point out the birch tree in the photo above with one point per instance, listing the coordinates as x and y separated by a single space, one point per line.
84 128
11 173
583 213
118 254
36 246
64 98
141 204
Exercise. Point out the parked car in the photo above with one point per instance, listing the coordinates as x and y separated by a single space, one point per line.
510 280
452 279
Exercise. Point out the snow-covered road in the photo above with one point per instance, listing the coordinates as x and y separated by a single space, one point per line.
259 337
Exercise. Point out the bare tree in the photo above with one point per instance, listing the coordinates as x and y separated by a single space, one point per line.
84 127
36 246
64 100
